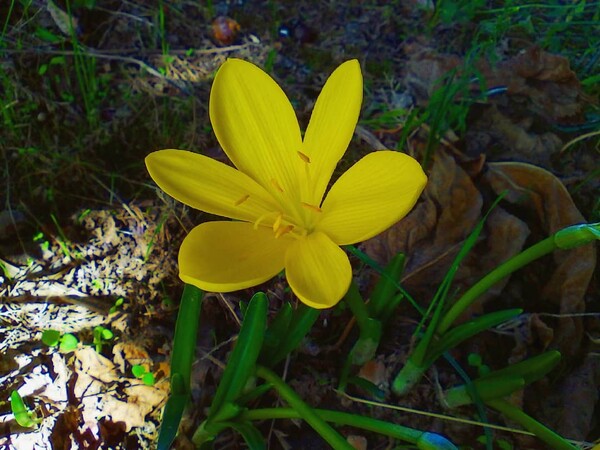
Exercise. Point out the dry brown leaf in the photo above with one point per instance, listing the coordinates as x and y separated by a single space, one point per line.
432 234
501 136
358 442
538 191
141 400
550 87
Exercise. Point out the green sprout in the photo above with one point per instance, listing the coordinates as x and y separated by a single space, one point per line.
116 306
23 415
141 373
66 342
101 337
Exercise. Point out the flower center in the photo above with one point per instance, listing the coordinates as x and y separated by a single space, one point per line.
294 217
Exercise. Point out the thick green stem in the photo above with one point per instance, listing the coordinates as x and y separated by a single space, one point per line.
423 440
358 307
548 436
370 329
307 413
532 253
182 358
409 375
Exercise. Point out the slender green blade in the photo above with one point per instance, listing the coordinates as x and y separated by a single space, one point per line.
276 333
244 355
184 346
531 369
385 289
302 321
469 329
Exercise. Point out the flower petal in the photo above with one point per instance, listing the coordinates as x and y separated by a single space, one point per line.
209 185
318 271
256 125
371 196
228 256
332 125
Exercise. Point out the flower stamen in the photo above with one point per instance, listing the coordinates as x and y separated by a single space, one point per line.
311 207
283 230
276 185
277 223
304 157
242 200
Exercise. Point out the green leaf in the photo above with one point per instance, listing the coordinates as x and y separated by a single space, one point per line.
530 370
463 332
577 235
184 346
48 36
68 342
148 379
385 289
302 321
555 441
486 390
138 371
170 420
366 346
23 416
254 440
240 366
369 387
107 334
50 337
276 333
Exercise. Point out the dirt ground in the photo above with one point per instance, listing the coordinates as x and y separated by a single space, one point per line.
87 240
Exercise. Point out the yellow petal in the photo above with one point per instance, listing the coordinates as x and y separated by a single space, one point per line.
209 185
371 196
228 256
256 125
318 271
332 125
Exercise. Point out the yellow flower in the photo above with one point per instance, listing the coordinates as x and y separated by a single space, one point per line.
275 195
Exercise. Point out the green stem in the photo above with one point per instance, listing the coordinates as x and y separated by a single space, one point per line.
564 239
424 440
304 411
301 323
370 329
545 434
358 307
182 358
532 253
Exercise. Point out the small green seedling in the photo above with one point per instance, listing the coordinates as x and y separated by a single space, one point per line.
101 336
118 303
44 244
141 373
23 416
66 342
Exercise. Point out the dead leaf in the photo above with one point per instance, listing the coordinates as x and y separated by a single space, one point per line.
65 23
500 136
540 82
540 193
358 442
141 400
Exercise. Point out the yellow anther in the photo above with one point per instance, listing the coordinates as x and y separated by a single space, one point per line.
242 200
261 219
276 185
311 207
283 230
277 222
304 157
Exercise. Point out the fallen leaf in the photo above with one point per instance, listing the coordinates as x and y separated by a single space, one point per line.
549 207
